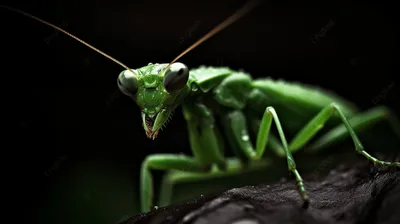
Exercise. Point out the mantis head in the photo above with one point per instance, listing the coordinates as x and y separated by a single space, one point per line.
157 90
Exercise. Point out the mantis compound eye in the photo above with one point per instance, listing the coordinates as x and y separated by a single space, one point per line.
127 83
176 76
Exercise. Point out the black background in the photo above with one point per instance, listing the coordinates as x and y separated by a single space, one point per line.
60 96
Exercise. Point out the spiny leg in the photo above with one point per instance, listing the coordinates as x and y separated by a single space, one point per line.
347 128
236 126
163 162
204 137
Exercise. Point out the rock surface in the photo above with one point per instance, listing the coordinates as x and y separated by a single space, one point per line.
353 193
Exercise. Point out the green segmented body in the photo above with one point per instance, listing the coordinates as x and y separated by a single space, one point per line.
227 109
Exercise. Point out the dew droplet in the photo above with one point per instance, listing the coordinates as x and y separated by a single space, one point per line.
245 137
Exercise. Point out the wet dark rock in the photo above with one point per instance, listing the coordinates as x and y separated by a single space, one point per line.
353 193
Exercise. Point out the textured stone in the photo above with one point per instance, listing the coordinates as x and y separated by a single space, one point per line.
353 193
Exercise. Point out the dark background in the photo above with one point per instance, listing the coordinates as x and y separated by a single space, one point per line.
70 130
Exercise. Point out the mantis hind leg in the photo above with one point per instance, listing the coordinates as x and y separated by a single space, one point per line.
347 127
358 122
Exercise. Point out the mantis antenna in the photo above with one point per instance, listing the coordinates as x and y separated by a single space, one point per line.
228 21
65 32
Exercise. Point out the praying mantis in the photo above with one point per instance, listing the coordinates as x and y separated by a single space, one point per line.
245 108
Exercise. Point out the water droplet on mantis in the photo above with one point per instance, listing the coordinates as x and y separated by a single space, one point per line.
245 136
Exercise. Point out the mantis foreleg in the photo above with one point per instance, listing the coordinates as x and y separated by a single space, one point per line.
204 137
205 143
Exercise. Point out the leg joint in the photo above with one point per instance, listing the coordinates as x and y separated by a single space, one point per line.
334 106
269 110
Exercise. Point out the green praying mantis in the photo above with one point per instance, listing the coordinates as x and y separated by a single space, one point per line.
244 107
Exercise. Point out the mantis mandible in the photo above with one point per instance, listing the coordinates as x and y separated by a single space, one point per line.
245 107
